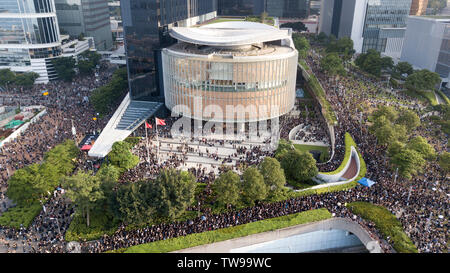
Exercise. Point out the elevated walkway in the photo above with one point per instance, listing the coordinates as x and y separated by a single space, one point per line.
127 118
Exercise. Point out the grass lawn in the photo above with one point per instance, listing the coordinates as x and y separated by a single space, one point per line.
386 223
100 224
219 235
17 215
307 148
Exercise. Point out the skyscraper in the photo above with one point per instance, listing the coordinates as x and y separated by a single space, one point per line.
146 26
278 8
29 37
90 17
371 24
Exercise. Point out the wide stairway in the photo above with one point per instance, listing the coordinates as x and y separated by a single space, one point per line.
136 113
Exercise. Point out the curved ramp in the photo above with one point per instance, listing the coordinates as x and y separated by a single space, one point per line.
234 245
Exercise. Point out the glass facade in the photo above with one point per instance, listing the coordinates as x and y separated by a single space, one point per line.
384 14
29 31
146 32
27 6
278 8
14 57
443 62
235 89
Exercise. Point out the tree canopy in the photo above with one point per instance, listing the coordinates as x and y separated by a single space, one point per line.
65 68
332 65
228 188
121 156
299 166
422 80
253 187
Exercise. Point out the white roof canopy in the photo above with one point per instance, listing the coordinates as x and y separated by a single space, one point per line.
229 34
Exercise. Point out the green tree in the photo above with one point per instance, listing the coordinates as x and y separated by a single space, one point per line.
65 68
422 80
31 183
121 156
227 188
370 62
420 145
302 45
395 147
62 156
402 68
26 79
283 147
332 65
132 205
408 162
299 166
108 175
343 47
444 162
322 38
7 77
105 97
296 26
408 118
84 190
171 193
388 111
388 133
387 63
273 174
253 187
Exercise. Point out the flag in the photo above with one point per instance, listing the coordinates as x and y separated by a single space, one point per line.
147 125
160 121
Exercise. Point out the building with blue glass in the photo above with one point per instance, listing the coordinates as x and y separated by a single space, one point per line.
146 25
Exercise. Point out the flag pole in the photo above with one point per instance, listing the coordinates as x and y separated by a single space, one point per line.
146 141
157 140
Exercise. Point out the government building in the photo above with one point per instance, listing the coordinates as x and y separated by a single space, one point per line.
238 71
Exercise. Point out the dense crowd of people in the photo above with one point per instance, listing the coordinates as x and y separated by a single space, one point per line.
420 203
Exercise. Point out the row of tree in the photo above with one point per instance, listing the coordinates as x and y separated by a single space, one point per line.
34 182
393 129
7 77
105 97
86 63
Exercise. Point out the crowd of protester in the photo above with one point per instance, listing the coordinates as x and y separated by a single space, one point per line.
420 203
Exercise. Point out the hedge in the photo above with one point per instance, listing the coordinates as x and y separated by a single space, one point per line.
316 88
348 143
18 215
443 96
386 223
208 237
100 224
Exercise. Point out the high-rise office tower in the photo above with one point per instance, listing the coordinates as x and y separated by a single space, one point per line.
278 8
418 7
288 8
87 17
29 37
146 26
371 24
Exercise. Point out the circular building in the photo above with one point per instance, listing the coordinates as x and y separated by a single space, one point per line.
230 72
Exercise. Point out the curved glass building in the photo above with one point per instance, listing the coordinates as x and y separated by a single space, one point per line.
230 72
29 37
